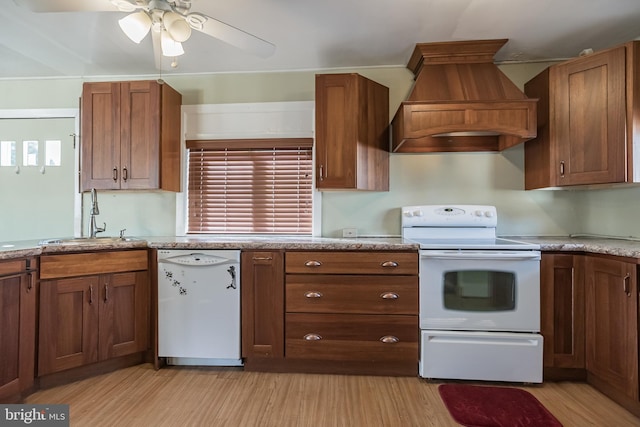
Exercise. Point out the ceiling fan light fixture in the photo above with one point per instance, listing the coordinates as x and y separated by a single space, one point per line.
136 26
169 46
176 26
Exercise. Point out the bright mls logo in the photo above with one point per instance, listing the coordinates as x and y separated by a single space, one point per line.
36 415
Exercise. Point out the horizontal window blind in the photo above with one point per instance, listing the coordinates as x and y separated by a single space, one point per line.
250 186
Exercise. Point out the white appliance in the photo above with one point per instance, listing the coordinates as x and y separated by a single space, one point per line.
479 296
199 307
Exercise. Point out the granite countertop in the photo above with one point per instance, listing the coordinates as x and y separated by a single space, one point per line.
26 248
590 244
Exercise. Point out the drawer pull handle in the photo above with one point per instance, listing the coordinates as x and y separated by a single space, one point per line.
262 258
312 337
389 295
625 285
313 294
389 339
389 264
312 264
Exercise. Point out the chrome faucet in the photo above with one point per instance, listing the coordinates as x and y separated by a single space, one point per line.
94 229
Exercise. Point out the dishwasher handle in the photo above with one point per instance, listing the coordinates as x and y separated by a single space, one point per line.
197 260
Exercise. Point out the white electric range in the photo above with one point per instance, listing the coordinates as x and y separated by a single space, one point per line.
479 296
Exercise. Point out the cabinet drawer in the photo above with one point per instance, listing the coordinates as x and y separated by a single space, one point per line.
352 337
16 266
84 264
352 294
352 262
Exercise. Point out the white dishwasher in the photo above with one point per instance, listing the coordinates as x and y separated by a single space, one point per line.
199 307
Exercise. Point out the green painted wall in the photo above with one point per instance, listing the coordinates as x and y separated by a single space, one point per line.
486 178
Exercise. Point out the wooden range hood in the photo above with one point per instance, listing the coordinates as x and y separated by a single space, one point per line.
461 101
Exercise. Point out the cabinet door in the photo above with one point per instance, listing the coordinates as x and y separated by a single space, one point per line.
124 309
336 130
590 112
139 134
100 136
262 293
68 333
352 133
612 323
562 305
17 334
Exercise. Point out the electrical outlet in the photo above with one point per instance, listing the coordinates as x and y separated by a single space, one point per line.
349 232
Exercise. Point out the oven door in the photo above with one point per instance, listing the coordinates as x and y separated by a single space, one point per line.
480 290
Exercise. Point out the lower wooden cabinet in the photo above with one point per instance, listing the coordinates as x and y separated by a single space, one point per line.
262 295
92 317
17 327
562 318
349 312
612 325
353 307
352 337
589 320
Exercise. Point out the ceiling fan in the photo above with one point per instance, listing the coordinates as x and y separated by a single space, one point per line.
169 21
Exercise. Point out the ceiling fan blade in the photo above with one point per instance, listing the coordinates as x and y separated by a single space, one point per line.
68 5
230 34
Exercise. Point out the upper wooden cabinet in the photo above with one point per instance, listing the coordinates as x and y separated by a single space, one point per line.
130 136
586 120
352 133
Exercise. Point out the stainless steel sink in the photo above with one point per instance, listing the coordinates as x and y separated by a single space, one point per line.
87 240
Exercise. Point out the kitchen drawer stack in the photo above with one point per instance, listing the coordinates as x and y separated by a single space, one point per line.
358 310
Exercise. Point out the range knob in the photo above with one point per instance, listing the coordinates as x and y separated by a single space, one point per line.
488 214
478 213
417 212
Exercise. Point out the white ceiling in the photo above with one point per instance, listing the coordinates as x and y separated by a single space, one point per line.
312 34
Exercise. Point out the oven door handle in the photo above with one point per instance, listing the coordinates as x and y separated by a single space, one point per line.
484 255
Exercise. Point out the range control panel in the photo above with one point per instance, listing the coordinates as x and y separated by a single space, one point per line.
449 216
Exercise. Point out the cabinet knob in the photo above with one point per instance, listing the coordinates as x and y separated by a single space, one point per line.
312 337
312 263
115 173
562 169
90 294
125 173
389 295
389 339
313 294
389 264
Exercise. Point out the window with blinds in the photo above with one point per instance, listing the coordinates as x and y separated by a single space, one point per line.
250 186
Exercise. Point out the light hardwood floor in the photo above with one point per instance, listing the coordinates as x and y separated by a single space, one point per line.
184 396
